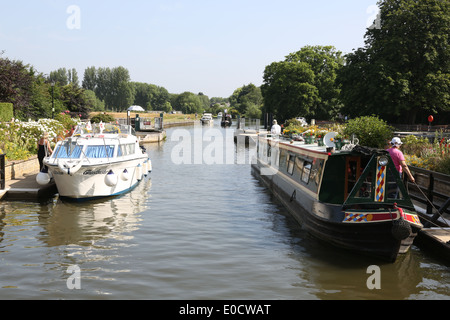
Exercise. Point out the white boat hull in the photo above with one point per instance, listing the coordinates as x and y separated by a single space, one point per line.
97 161
93 181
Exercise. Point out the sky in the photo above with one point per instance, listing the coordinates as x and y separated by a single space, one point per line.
213 46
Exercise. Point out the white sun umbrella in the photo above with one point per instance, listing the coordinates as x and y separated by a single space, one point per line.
136 108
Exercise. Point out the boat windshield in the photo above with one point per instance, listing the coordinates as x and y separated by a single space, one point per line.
102 128
380 183
68 150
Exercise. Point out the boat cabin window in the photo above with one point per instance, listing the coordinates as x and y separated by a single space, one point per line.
299 164
68 151
306 172
99 152
126 149
290 164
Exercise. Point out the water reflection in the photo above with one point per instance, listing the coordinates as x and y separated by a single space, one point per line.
69 223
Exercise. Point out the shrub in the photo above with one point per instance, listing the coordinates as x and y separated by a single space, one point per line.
102 117
66 120
414 146
370 130
443 165
6 111
19 139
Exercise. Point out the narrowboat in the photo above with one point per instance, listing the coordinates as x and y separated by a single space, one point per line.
226 121
354 199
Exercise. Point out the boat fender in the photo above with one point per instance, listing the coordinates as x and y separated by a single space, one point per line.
401 229
43 177
145 168
139 172
125 175
149 165
111 179
67 169
293 196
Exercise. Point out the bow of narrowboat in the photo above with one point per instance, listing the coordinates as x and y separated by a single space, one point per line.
353 199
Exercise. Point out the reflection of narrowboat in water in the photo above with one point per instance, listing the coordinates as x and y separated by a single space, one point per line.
352 199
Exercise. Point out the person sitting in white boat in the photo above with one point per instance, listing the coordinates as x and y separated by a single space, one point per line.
276 129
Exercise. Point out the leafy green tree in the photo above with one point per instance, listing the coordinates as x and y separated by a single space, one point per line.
188 103
41 99
90 79
74 100
288 90
151 97
404 68
204 101
304 84
112 86
91 100
246 97
64 76
325 62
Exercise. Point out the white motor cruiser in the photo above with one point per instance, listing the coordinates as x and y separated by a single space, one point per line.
98 160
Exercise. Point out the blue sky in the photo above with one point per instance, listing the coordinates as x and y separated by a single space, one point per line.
213 46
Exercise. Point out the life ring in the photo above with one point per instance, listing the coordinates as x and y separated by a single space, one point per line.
69 169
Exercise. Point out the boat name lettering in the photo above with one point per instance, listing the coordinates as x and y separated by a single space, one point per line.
92 172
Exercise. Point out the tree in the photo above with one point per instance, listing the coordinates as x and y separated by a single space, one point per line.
16 81
325 62
248 96
74 100
92 101
304 84
90 79
63 77
151 97
287 90
404 68
112 86
188 103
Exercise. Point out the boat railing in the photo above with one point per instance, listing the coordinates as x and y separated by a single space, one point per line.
97 129
249 124
431 191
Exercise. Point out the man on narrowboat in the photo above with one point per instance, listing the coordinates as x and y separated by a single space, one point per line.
276 129
399 159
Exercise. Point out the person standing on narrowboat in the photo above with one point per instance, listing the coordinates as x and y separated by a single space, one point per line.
44 149
276 129
399 159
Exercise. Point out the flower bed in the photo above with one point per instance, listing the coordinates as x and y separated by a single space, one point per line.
18 140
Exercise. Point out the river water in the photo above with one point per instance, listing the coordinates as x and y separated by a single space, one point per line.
199 227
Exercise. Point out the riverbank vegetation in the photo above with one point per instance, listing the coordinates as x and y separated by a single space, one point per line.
371 131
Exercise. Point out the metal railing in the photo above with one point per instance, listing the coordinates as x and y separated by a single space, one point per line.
434 191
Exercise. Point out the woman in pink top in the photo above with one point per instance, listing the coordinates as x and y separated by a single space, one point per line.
399 159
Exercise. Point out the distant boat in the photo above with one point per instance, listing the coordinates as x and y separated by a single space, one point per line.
98 160
207 119
226 121
352 199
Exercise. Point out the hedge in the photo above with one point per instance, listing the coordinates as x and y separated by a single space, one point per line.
6 111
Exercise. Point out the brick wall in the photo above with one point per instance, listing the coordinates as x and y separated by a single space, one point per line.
17 169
